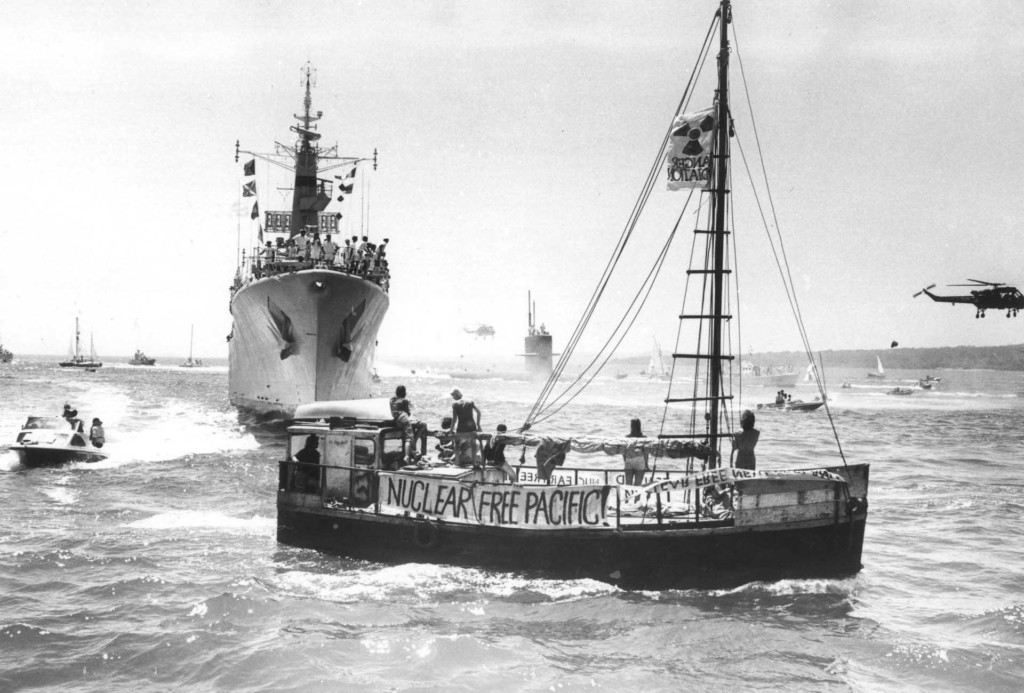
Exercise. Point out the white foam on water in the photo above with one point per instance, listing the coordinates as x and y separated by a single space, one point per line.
207 520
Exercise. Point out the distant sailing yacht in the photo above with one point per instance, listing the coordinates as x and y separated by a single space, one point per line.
880 373
191 363
656 368
76 359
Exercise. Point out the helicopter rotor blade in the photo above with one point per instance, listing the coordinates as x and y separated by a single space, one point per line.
930 286
978 281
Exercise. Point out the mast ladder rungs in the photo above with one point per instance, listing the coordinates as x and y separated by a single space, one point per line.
708 271
704 317
691 436
674 400
723 357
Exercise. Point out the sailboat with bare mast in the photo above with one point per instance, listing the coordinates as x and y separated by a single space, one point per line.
78 360
699 516
191 363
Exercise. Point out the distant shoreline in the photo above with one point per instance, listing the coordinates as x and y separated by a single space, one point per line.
996 358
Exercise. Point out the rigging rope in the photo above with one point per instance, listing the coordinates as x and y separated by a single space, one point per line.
781 260
541 404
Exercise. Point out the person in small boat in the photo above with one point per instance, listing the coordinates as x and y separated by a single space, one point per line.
308 478
96 435
635 458
495 455
780 397
76 423
466 420
745 441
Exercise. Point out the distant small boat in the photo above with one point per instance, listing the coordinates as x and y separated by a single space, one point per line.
880 372
140 359
797 405
901 391
46 441
620 376
191 363
5 355
76 359
847 385
925 384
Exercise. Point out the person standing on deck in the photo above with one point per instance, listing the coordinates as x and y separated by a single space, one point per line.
634 457
300 246
745 441
330 248
401 409
466 426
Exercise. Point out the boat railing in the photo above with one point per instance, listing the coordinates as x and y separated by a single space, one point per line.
356 487
258 266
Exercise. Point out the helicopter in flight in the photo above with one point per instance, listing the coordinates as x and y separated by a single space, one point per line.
480 330
997 296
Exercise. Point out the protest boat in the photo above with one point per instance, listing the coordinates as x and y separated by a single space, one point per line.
305 313
696 517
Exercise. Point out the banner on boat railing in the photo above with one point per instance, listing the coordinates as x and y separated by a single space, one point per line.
688 156
534 507
729 475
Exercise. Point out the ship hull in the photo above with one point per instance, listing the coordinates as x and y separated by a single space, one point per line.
302 337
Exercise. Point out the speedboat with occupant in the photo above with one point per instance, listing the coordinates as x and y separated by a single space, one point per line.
47 441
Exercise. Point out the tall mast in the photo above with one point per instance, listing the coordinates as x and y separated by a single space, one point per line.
309 197
720 158
76 339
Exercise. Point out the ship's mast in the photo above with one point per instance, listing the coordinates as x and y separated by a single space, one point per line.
721 159
76 339
306 203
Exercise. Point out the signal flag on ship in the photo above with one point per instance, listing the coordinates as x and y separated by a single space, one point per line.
255 210
249 189
250 168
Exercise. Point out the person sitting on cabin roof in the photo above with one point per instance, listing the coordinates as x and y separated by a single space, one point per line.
307 478
445 438
401 409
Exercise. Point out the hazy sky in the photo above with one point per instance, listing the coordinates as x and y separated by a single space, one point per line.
514 138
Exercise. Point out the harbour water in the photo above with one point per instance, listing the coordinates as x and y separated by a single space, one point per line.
158 569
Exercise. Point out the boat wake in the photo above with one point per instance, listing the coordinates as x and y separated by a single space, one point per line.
424 583
211 521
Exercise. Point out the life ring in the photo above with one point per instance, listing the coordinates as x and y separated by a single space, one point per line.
855 506
426 535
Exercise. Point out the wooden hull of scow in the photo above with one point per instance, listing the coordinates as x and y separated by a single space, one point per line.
779 530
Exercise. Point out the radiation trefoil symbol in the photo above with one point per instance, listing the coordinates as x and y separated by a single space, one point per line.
694 132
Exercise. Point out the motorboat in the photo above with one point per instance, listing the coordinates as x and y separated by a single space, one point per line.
47 441
901 391
793 405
